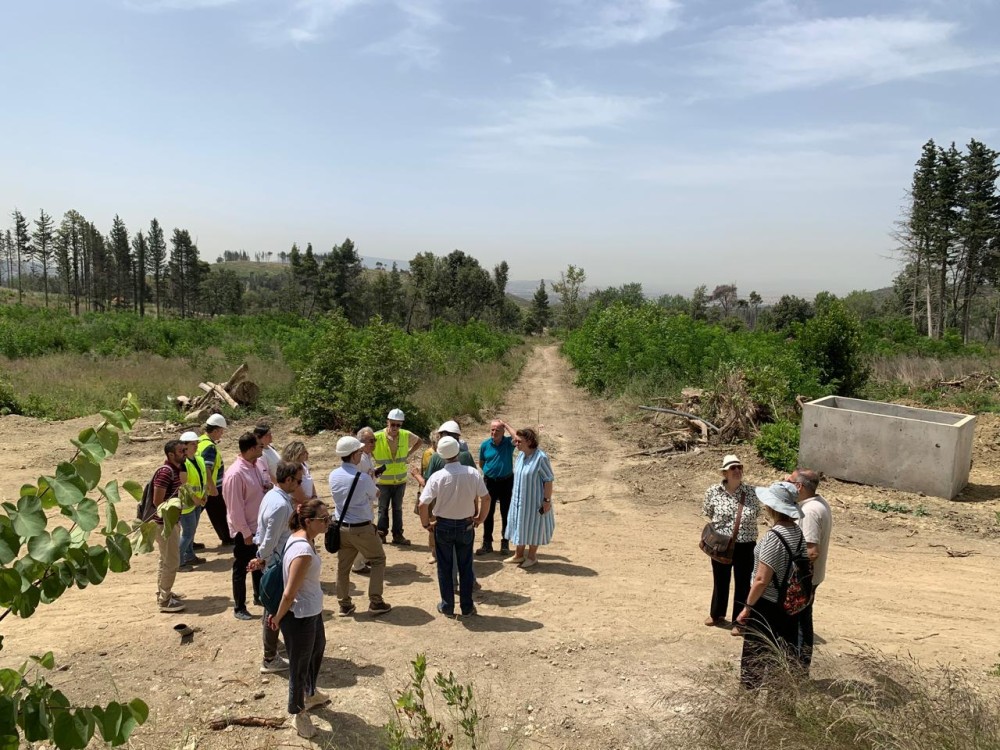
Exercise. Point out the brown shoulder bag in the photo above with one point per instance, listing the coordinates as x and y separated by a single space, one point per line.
720 546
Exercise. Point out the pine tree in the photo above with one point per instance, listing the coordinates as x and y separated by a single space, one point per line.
122 254
945 218
140 250
21 244
342 282
5 256
69 248
918 237
309 281
156 260
978 224
100 275
539 314
42 247
568 288
185 274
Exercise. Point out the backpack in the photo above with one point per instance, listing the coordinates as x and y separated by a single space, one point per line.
272 583
144 510
797 591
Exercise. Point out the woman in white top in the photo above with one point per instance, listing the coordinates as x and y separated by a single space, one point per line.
300 614
295 452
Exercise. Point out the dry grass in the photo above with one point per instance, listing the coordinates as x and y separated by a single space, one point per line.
920 371
873 702
62 386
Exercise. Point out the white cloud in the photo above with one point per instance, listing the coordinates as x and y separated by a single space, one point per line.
862 50
305 21
548 123
614 23
414 45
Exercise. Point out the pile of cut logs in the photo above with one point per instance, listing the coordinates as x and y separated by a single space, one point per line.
235 392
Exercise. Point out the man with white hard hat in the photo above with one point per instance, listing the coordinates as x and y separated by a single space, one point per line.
393 448
353 492
197 480
452 430
461 502
208 449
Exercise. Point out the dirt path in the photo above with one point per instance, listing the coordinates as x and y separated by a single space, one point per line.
591 649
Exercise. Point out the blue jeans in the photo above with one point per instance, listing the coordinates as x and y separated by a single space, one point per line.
453 540
189 524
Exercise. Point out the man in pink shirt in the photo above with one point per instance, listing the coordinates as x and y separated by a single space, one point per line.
243 488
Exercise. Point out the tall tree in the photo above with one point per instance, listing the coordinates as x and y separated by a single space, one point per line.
343 281
945 216
978 222
185 271
569 287
539 314
156 260
918 236
69 256
121 251
6 258
140 249
41 243
100 268
21 244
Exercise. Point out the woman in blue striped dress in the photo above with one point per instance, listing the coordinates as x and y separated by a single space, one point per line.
530 521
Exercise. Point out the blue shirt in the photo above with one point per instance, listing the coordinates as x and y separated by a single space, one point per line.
497 460
364 495
272 523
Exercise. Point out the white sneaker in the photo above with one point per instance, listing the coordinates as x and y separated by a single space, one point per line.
277 664
174 605
316 699
304 725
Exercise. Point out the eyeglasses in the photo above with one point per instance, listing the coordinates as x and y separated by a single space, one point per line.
396 424
323 519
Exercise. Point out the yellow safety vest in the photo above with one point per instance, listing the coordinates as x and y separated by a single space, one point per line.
395 466
203 442
196 477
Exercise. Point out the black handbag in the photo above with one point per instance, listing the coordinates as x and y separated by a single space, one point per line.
720 546
331 541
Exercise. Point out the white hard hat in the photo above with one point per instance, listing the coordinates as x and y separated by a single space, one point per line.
189 437
396 415
448 447
348 445
450 426
217 420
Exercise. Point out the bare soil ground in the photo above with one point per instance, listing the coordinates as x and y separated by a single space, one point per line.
593 648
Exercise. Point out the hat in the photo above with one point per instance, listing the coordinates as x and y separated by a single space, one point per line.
396 415
189 437
730 461
450 426
217 420
780 496
348 445
448 447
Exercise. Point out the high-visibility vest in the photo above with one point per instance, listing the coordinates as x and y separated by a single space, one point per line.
197 475
395 466
203 442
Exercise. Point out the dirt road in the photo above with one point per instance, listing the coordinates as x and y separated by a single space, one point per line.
591 649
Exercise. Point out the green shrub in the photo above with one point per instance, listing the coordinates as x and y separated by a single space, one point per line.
833 344
8 401
778 444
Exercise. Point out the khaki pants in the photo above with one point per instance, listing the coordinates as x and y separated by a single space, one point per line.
170 558
363 540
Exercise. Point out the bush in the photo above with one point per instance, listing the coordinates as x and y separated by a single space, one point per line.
833 345
778 444
8 402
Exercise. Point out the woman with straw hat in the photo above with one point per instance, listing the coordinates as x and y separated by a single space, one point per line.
770 630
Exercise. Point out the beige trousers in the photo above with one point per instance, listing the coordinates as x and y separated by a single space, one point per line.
170 558
363 540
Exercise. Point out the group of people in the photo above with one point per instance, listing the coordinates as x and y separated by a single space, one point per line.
266 507
800 525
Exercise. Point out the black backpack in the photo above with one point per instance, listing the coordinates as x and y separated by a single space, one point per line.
145 511
272 583
796 593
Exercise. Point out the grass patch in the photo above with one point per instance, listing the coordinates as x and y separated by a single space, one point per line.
479 391
67 385
874 702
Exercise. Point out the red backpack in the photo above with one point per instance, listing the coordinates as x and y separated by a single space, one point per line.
796 593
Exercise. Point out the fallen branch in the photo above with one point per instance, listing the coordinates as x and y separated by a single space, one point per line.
236 377
246 721
221 393
152 439
677 413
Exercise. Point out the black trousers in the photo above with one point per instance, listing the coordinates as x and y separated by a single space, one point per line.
243 553
805 636
305 642
768 640
216 509
742 571
500 491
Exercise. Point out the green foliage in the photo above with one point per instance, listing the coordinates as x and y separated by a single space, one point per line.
8 401
886 507
37 566
832 343
415 725
778 444
354 376
921 512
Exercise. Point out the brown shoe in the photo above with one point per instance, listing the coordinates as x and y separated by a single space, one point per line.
737 631
713 622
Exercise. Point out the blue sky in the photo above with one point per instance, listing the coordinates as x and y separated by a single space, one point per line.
672 142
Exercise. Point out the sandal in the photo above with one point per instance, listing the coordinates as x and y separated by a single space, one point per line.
713 622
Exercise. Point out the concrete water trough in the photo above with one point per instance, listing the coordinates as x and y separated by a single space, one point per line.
887 445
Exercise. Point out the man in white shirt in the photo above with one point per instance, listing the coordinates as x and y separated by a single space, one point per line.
270 456
817 526
357 532
462 503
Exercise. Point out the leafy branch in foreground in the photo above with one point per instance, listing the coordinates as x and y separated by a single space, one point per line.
37 566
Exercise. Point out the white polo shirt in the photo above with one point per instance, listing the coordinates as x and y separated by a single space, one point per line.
817 526
455 487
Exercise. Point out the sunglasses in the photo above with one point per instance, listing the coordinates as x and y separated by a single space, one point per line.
395 424
324 519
